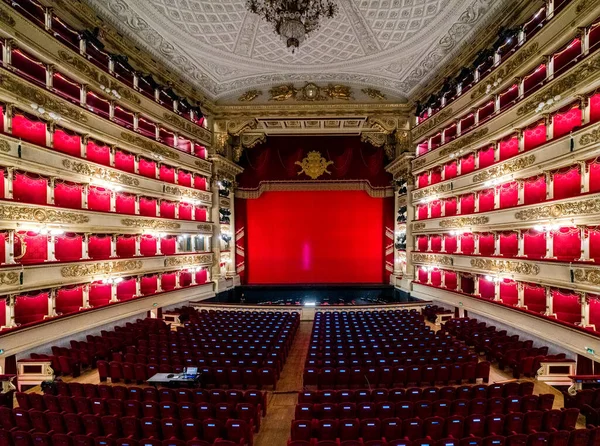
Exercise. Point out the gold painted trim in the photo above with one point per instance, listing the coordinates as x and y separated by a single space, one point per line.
101 268
286 186
505 266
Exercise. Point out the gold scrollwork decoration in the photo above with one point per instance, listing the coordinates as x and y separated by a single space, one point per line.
376 139
374 94
204 228
4 146
462 142
188 126
418 163
581 207
250 95
590 138
432 258
10 278
93 269
194 195
100 173
591 276
314 165
203 164
463 221
149 224
202 259
432 191
22 213
6 18
150 146
505 266
419 226
431 123
504 169
283 93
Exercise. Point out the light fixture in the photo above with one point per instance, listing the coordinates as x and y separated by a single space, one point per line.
548 103
42 112
112 92
293 20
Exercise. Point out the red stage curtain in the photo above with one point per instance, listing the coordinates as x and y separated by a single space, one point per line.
450 170
126 289
486 111
147 207
125 246
436 278
486 200
595 311
185 211
509 245
534 80
595 107
67 195
67 247
534 190
168 281
467 164
287 241
486 244
147 168
487 288
98 199
534 244
508 292
594 234
436 209
199 213
167 173
423 179
421 212
98 153
594 175
167 209
486 157
566 306
566 120
167 245
436 175
509 147
99 294
148 245
534 297
567 244
509 194
67 142
436 243
99 247
535 135
467 244
450 279
125 203
467 204
422 243
201 276
29 128
184 178
422 275
124 161
450 243
449 207
31 308
69 300
36 250
567 182
30 188
199 182
148 285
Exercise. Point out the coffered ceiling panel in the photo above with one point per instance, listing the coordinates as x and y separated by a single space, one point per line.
224 50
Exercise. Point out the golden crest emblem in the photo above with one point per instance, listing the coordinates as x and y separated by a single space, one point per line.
314 165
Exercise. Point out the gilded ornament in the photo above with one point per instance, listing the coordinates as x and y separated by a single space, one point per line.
431 123
591 276
276 186
282 93
505 266
583 5
100 173
314 165
462 142
376 139
310 92
6 18
463 221
4 146
580 207
205 228
418 163
188 126
432 258
187 193
504 169
250 95
590 138
94 269
40 215
337 91
432 191
374 94
150 146
149 224
419 226
203 164
202 259
10 278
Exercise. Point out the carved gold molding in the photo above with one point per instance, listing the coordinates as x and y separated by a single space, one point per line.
580 207
6 18
100 173
463 221
277 186
505 266
225 168
251 140
591 276
250 95
4 146
374 94
418 226
149 224
314 165
418 163
188 126
432 258
205 228
150 146
432 191
187 193
10 278
236 127
432 123
504 169
376 139
202 259
41 215
93 269
462 142
590 138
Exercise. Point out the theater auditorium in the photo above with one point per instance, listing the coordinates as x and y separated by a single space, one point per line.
299 222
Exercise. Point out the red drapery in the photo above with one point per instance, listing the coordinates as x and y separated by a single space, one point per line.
467 164
508 292
450 243
594 234
436 175
67 142
148 245
126 289
33 244
422 243
30 188
566 306
486 157
147 207
200 151
450 207
450 170
436 243
467 243
67 247
509 194
567 182
168 281
595 107
486 200
167 245
487 288
436 208
421 212
534 190
148 285
67 195
167 209
29 129
99 247
125 203
201 276
567 243
422 275
467 204
167 173
534 298
185 211
98 153
31 308
98 199
565 121
124 161
185 278
147 168
125 246
509 245
594 175
423 179
436 278
534 244
199 214
69 300
486 244
535 135
99 294
184 178
509 147
595 311
2 173
199 182
450 280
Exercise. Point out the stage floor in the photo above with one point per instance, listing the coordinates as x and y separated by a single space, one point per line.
318 294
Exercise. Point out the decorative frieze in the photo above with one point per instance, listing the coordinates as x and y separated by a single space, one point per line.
432 258
10 212
6 18
590 138
202 259
504 169
205 228
581 207
432 191
188 126
102 268
4 146
100 173
418 226
588 276
187 193
462 142
432 123
150 146
150 224
463 221
10 278
418 163
505 266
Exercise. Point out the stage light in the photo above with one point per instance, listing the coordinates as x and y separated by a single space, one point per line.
310 304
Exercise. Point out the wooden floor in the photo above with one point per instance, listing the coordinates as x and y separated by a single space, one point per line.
275 428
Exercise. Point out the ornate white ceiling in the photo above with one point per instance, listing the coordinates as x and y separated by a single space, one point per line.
224 50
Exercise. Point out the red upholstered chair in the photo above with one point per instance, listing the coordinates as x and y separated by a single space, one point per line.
434 427
301 430
131 427
370 429
212 429
103 370
171 428
391 428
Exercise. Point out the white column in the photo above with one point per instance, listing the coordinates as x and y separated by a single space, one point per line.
585 244
7 52
10 312
84 196
443 279
113 201
231 268
521 138
549 245
50 134
158 207
496 244
49 76
476 159
585 41
443 236
496 197
138 286
458 205
521 82
177 250
85 240
476 243
137 245
549 67
496 151
549 185
113 246
476 285
496 289
549 303
9 247
520 192
136 120
50 243
521 295
585 177
458 281
428 275
111 110
113 293
9 176
82 90
496 103
136 208
176 174
83 142
458 243
177 280
584 301
193 274
549 127
86 297
429 209
111 156
216 245
136 164
50 190
159 283
428 243
520 243
443 206
51 304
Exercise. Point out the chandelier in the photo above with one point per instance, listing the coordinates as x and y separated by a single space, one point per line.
293 20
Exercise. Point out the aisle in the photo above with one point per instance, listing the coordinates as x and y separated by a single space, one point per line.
275 428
